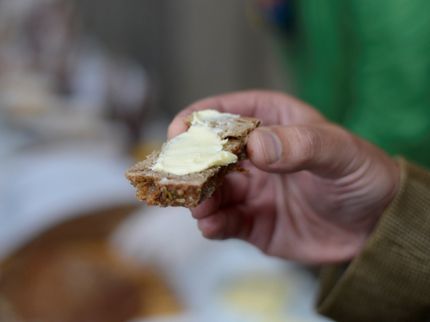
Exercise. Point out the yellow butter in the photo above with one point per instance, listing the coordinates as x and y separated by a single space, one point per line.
197 149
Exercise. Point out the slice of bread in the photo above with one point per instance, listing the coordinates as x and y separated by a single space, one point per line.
166 189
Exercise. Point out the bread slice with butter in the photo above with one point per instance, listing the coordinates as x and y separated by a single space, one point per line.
192 165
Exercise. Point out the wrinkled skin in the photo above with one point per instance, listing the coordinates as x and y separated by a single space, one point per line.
314 197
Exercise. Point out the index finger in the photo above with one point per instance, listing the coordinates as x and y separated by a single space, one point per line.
271 108
233 191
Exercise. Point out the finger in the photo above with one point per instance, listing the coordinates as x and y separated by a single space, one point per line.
270 107
325 149
207 207
226 223
233 190
212 227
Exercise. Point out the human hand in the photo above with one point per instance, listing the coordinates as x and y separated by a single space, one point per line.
313 192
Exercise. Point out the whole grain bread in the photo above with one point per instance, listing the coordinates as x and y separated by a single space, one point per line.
166 189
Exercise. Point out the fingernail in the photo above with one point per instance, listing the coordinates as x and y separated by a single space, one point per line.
270 145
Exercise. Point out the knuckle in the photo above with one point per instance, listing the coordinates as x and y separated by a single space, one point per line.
308 142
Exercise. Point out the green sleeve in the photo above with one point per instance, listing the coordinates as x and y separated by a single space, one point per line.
390 280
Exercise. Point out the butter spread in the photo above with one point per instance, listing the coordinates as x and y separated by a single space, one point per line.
197 149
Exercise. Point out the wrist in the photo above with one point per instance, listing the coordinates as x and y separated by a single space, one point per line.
394 180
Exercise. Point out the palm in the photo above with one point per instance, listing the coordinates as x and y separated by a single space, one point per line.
285 215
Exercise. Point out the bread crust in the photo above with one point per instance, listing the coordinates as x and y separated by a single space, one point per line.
164 189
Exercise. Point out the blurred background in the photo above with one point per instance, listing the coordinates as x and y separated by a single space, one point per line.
89 87
86 89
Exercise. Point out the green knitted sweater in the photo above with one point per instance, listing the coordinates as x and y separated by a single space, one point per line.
366 65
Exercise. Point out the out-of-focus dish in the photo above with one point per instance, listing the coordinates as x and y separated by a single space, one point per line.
70 273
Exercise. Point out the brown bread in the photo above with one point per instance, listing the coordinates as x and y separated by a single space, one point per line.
166 189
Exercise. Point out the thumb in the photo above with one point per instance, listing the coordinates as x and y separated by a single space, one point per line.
324 149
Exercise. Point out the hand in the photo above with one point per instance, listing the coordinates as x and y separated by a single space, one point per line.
313 192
